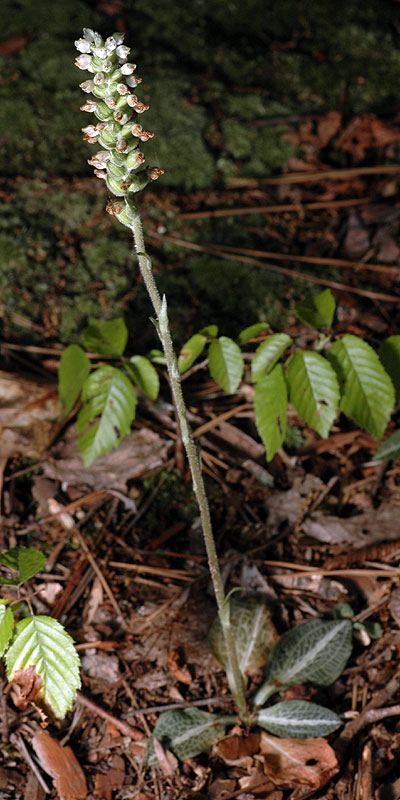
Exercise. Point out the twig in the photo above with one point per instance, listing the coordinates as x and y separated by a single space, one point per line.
315 177
18 740
275 209
126 730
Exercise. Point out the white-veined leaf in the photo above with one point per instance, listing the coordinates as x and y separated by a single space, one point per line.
186 733
251 332
367 391
389 449
191 350
270 405
389 354
144 375
267 354
316 652
24 560
106 338
6 626
226 363
72 373
107 393
297 719
313 390
41 642
253 633
318 310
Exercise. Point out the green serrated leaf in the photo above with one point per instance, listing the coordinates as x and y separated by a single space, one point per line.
226 363
190 351
317 310
389 449
253 633
144 375
367 391
210 331
313 390
186 733
24 560
6 626
72 373
267 354
270 405
108 339
251 332
389 354
315 652
41 642
297 719
107 393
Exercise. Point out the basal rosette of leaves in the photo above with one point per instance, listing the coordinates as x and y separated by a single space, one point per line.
118 131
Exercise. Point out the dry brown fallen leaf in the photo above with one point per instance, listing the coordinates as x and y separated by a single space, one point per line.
30 416
297 762
62 765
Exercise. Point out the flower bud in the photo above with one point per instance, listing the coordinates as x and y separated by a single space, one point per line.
110 44
118 37
122 89
100 159
100 52
84 61
99 79
133 81
134 159
127 69
87 86
154 173
100 174
122 51
89 106
107 65
88 34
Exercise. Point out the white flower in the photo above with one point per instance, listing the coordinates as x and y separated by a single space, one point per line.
122 51
84 61
82 45
127 69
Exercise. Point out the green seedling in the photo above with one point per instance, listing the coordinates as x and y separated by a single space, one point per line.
39 654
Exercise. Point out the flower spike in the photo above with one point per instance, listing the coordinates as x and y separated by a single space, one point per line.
120 162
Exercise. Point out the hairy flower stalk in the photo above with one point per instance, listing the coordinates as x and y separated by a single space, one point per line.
120 164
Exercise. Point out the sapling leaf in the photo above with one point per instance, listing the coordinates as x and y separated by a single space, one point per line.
389 449
315 652
186 733
367 391
24 560
251 332
270 405
42 646
313 390
267 354
317 310
157 357
210 331
389 354
253 633
144 375
108 338
72 373
190 351
6 626
297 719
226 363
107 393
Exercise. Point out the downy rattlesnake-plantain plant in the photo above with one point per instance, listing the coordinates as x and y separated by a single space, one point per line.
243 633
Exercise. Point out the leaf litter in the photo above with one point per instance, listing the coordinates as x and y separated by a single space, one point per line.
331 510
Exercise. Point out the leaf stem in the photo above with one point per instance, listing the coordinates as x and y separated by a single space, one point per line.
160 308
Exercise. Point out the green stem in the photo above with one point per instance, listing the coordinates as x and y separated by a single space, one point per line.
160 308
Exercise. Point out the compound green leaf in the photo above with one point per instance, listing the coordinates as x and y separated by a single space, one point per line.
108 339
389 449
107 393
251 332
24 560
389 354
253 633
72 373
267 354
6 626
313 390
367 391
297 719
315 652
226 363
317 310
191 350
42 643
144 375
270 405
186 733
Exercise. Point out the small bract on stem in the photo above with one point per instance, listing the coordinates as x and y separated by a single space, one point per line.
120 164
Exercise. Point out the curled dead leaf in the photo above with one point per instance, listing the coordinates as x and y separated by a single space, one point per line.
293 762
179 670
62 765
